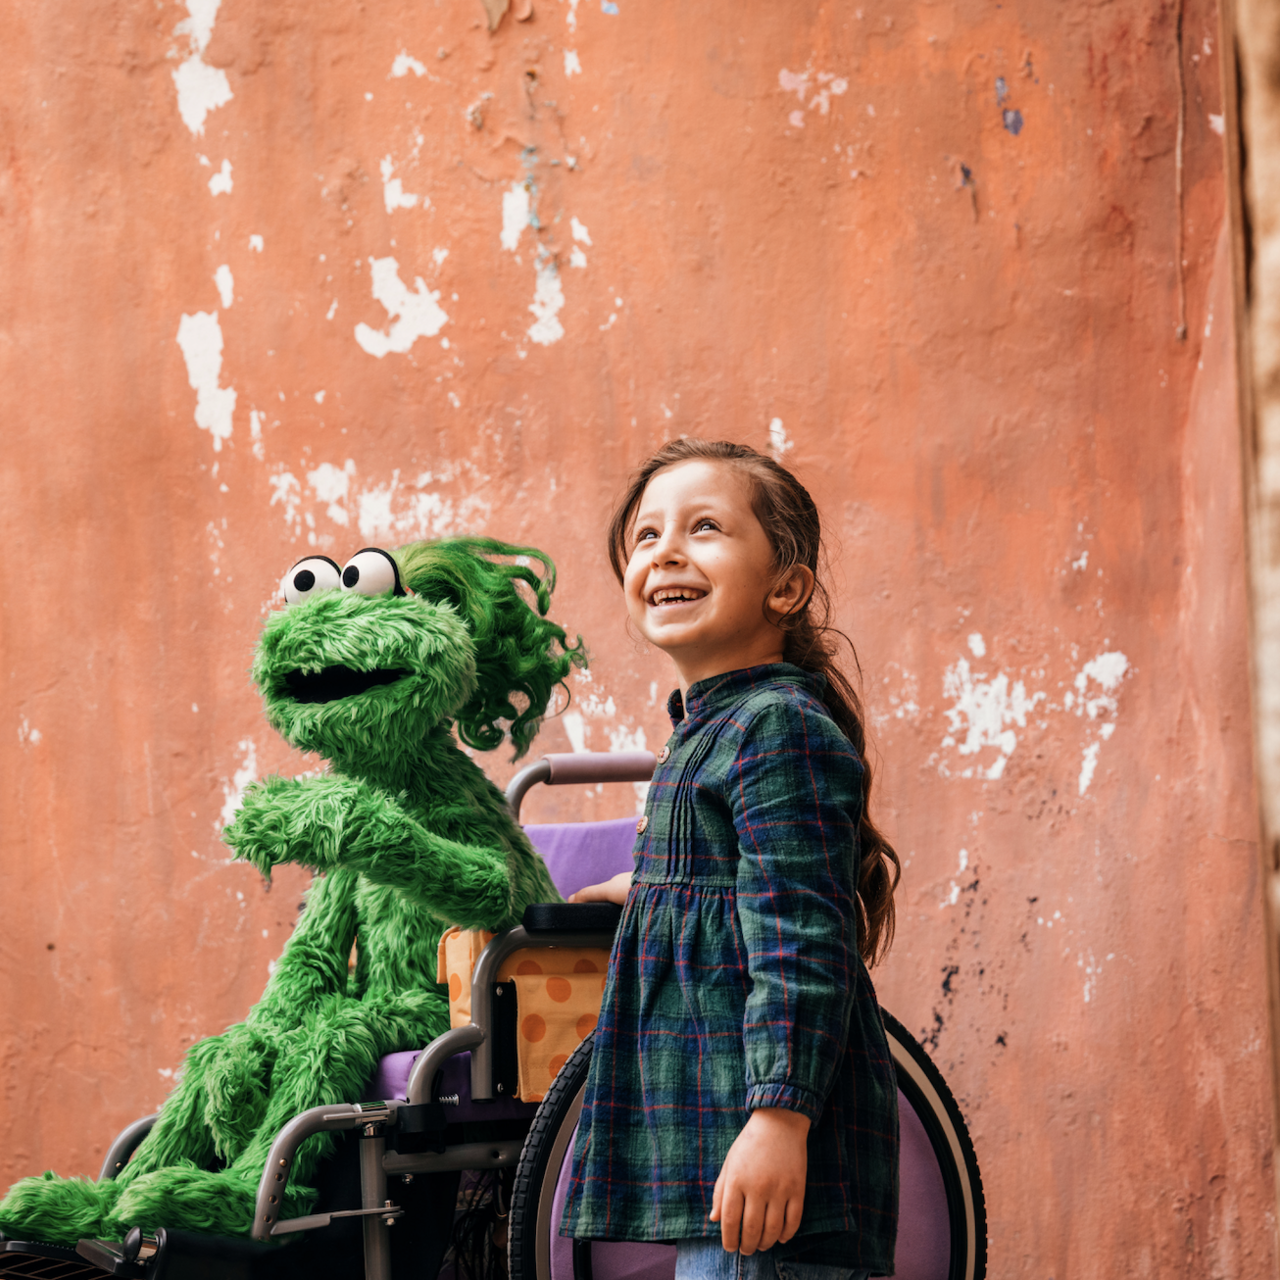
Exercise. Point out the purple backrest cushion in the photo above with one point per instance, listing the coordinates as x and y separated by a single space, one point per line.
582 853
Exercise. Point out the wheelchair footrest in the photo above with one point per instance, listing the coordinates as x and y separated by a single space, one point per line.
30 1258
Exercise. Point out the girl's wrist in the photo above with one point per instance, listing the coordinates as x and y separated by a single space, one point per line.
780 1118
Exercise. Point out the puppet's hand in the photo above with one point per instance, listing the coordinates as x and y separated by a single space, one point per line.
303 820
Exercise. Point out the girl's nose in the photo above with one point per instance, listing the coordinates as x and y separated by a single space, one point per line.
666 550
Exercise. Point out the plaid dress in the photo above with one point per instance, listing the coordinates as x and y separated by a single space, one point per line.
735 982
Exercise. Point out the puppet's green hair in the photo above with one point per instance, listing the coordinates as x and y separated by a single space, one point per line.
519 650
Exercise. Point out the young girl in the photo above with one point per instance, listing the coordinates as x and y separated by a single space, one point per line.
741 1100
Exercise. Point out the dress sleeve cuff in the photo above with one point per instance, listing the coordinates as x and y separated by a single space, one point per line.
789 1097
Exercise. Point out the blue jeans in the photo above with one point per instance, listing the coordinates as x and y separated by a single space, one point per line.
707 1260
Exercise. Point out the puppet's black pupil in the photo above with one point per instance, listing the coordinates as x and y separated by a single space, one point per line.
350 576
304 580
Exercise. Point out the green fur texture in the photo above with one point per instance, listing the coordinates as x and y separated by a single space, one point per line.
407 836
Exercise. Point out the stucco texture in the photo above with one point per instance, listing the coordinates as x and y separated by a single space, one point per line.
292 276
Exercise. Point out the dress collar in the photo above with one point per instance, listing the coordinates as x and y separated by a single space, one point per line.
723 690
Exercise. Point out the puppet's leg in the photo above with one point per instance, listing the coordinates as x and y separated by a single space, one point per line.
328 1059
55 1210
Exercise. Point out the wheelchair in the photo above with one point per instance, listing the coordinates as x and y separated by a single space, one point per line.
430 1115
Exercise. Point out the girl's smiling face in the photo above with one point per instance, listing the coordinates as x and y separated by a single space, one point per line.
700 577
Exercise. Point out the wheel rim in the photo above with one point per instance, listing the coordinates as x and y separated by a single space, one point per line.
550 1177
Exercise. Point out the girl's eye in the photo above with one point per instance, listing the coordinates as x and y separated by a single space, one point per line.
372 572
309 577
646 535
705 524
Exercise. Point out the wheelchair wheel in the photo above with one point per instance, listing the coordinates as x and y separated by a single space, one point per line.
942 1230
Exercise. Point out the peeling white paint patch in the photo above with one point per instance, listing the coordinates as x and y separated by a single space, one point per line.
1083 563
1088 764
572 67
405 63
983 713
414 315
255 243
1091 968
796 82
903 703
953 896
333 307
779 441
288 493
548 299
580 232
1106 671
825 85
27 735
233 789
226 285
1217 124
515 215
201 88
416 509
394 196
256 419
200 337
221 184
332 485
577 258
438 255
575 729
572 16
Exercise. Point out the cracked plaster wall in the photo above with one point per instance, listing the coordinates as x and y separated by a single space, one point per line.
286 276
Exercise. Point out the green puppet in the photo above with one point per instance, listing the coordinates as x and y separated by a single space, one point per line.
377 667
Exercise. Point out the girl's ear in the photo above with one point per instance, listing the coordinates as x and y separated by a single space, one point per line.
792 593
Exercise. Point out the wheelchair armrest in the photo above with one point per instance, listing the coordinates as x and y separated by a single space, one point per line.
126 1143
572 917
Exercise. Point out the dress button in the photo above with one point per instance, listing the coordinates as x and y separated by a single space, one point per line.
664 755
642 825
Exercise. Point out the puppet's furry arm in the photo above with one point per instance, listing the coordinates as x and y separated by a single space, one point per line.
342 822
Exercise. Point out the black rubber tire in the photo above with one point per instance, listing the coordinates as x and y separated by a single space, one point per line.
919 1079
926 1090
539 1169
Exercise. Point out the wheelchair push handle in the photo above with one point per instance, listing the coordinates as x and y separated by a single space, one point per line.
562 767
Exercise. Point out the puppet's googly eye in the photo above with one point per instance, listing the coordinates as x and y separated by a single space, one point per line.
309 576
372 572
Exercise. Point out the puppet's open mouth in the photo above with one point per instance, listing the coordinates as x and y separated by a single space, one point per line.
332 683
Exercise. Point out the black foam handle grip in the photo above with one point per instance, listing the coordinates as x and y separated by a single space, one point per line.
572 917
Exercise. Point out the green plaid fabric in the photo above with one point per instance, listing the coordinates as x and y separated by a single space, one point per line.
735 981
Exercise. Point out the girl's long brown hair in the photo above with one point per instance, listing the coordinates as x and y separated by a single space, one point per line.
790 520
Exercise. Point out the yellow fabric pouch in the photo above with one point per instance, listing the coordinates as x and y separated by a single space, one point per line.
558 992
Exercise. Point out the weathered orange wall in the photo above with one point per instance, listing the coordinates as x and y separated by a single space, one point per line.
820 228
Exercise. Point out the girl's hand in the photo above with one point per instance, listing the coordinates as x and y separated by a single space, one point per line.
614 890
759 1194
